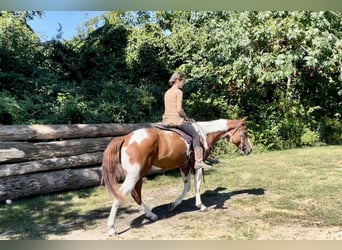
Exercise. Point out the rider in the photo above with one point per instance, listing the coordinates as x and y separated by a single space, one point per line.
175 116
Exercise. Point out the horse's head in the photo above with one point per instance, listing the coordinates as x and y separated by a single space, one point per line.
238 136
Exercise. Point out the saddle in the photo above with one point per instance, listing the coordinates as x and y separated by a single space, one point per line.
184 135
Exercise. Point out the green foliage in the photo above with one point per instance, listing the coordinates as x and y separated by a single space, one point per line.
283 69
330 130
309 137
117 106
18 47
36 110
70 109
10 111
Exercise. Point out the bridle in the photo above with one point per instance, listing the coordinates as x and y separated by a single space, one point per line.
242 145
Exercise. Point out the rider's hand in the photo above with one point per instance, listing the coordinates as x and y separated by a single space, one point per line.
189 120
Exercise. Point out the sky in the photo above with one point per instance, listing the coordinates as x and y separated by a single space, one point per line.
46 27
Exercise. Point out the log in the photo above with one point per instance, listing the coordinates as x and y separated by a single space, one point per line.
21 186
30 165
88 159
11 152
58 132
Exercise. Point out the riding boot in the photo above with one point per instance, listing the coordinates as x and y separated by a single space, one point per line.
199 163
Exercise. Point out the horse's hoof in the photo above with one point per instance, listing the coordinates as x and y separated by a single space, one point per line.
153 217
111 232
203 209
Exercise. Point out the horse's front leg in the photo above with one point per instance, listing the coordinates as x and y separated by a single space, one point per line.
198 179
186 189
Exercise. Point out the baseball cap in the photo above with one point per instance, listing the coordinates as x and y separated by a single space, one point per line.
175 76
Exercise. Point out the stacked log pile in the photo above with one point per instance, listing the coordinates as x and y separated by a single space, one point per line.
43 159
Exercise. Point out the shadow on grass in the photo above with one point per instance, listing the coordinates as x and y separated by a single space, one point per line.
38 217
211 198
35 218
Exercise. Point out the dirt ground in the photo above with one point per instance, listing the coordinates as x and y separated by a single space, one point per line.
160 230
187 223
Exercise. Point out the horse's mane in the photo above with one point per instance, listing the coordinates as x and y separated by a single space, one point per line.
213 126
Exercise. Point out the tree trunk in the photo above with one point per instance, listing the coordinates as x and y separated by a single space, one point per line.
83 160
25 151
20 186
58 132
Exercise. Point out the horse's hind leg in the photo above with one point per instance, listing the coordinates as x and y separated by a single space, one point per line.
112 215
186 181
126 187
136 194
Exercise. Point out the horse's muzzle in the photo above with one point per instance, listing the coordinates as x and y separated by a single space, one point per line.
246 150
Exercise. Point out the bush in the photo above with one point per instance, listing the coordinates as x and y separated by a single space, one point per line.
309 137
70 109
330 130
10 111
107 112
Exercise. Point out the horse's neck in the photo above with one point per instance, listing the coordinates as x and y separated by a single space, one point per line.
213 126
213 130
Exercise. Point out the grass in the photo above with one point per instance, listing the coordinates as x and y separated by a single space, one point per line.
34 218
298 187
302 185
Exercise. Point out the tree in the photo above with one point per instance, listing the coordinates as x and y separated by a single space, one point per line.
18 70
281 68
263 64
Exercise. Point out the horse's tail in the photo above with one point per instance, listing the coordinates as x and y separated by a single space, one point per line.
112 171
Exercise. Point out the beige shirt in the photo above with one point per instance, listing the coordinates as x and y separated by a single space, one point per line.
172 98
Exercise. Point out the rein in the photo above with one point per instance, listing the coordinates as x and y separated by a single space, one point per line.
237 128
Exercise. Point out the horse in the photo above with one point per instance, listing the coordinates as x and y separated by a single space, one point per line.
131 157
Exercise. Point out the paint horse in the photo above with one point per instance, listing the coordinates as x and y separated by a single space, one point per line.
130 158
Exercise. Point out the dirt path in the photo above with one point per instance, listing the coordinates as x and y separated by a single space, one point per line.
187 223
163 230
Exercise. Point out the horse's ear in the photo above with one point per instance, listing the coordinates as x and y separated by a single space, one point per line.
244 119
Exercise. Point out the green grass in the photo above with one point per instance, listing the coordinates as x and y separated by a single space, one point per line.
291 187
34 218
301 185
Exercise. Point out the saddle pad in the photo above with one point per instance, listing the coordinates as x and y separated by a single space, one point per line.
185 136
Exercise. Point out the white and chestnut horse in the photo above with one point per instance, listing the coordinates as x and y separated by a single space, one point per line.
132 156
